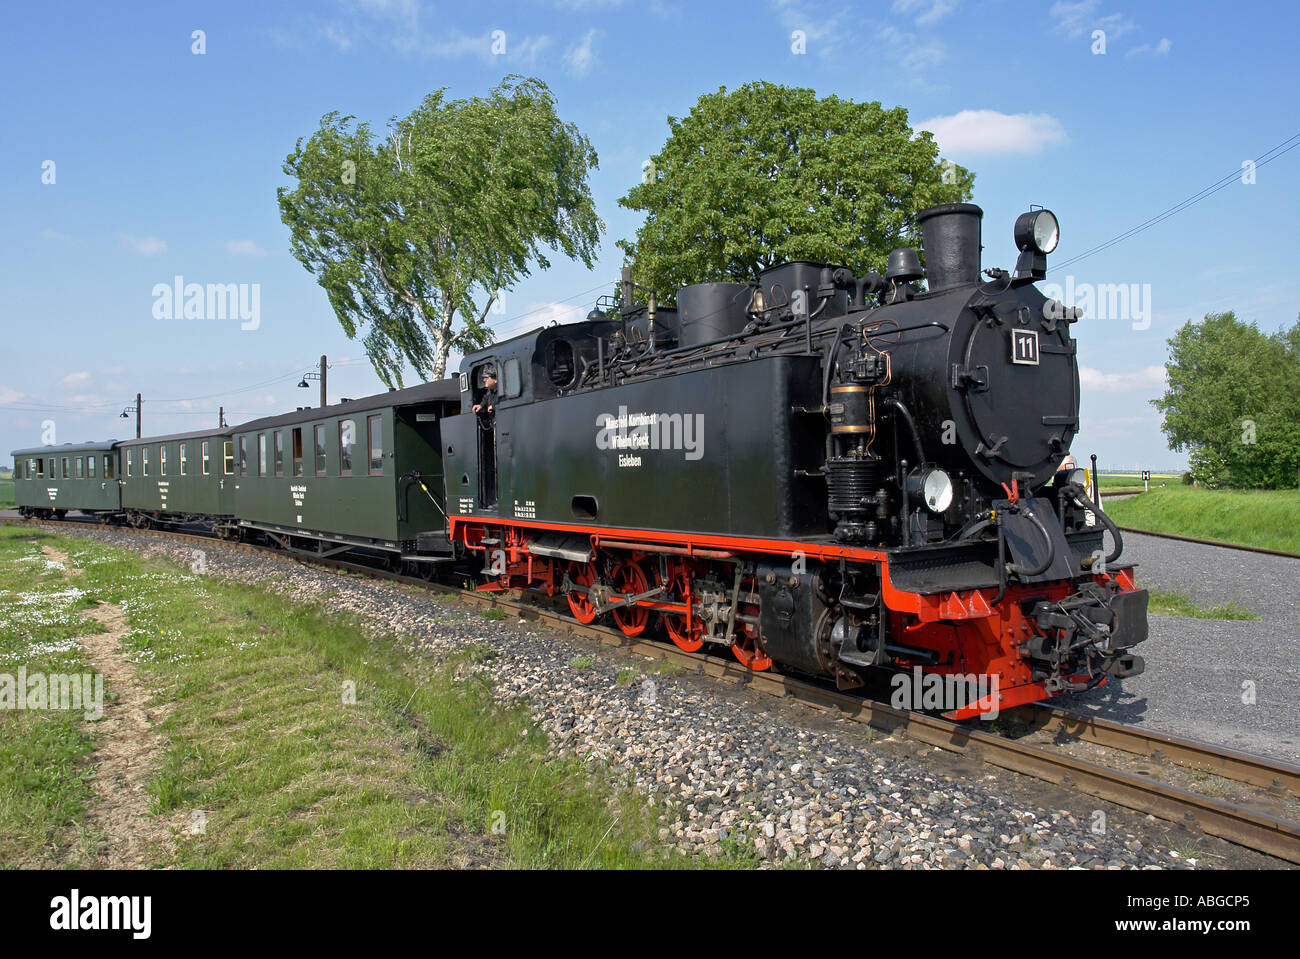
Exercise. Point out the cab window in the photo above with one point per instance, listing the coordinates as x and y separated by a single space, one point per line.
511 380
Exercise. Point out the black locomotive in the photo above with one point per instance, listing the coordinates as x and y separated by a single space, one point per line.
837 473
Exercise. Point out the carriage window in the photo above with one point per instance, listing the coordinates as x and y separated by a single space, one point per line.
162 460
79 465
184 456
347 442
90 465
40 468
279 452
512 380
375 430
297 451
108 467
65 467
561 363
243 456
144 461
34 467
320 450
130 463
228 457
205 457
261 454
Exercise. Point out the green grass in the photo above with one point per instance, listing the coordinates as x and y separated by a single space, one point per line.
6 492
1170 603
44 780
421 769
1269 519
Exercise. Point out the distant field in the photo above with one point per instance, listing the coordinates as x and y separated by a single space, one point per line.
1269 519
6 492
1127 482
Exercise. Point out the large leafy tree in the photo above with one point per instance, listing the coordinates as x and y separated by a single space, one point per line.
769 173
1233 402
414 235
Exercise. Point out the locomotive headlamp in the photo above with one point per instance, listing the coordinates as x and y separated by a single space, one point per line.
1076 476
1037 234
934 487
1038 231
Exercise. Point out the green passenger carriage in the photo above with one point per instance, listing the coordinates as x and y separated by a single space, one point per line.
184 477
364 473
51 480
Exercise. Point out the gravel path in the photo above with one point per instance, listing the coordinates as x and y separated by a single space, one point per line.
1228 682
733 772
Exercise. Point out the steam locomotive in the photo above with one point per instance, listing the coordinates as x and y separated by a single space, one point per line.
839 474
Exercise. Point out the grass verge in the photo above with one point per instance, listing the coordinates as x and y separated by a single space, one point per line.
292 739
1269 519
1169 603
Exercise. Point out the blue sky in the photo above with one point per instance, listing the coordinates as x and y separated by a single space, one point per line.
165 164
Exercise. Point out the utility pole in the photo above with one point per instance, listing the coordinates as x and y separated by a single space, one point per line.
221 417
323 367
138 404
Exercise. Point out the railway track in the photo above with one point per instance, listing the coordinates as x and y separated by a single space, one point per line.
1236 823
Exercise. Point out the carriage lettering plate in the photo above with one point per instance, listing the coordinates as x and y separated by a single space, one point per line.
1024 347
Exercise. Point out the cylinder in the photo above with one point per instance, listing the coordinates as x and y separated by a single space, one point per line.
951 233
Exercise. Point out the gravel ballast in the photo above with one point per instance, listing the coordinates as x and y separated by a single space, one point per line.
730 773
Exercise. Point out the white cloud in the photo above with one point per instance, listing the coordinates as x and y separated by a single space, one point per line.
990 132
1160 49
926 11
144 245
1149 377
75 379
580 56
244 248
537 315
9 396
1075 19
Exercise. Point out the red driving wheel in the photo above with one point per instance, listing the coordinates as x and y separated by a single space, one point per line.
748 649
584 576
629 579
687 639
